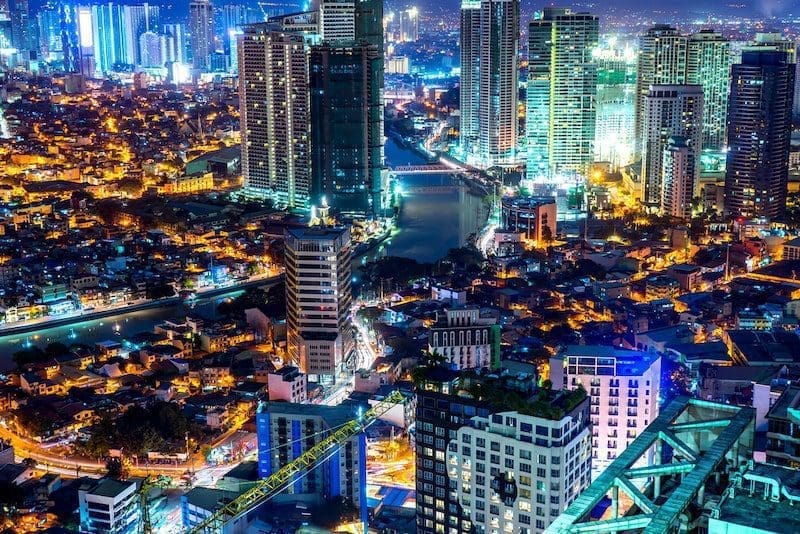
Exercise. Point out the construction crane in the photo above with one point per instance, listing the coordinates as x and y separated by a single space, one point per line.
161 481
267 488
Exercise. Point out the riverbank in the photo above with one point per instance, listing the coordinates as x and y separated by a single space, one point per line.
55 322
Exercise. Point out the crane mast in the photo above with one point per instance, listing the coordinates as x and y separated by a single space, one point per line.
268 487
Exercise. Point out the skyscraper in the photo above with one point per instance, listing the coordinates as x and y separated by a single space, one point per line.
109 27
709 64
20 28
201 28
50 44
469 85
562 88
70 40
776 41
337 20
669 110
409 25
176 42
347 127
616 95
139 19
318 297
498 74
662 60
759 128
274 115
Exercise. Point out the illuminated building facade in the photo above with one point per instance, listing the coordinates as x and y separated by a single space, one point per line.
201 29
469 86
409 25
616 94
318 298
679 172
759 128
274 115
562 90
709 63
669 110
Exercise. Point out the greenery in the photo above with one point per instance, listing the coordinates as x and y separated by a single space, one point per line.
36 355
272 301
160 427
400 270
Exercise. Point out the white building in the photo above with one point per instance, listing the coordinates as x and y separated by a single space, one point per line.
516 473
318 298
462 337
288 384
669 111
623 387
109 506
679 169
337 20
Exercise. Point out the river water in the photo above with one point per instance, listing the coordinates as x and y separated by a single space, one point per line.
428 226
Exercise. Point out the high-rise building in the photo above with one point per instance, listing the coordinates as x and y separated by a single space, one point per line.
176 42
669 110
70 37
139 19
469 85
201 29
562 88
286 430
50 42
109 30
759 129
347 127
21 28
409 25
679 173
337 19
662 61
274 115
709 65
616 95
496 455
233 17
152 50
318 297
777 42
499 76
623 387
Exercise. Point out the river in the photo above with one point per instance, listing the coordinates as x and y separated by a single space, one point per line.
427 227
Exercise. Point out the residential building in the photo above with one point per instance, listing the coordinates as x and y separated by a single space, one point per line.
346 84
499 75
287 384
464 339
469 84
337 20
678 171
510 460
534 217
759 128
623 387
201 28
662 61
709 64
318 298
287 430
615 103
109 506
561 93
274 115
669 111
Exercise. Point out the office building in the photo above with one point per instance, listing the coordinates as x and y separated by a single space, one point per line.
499 76
409 25
152 50
176 42
616 94
465 339
201 29
274 115
109 505
469 85
139 19
70 40
318 298
50 42
679 172
346 83
623 388
562 89
759 128
286 430
233 17
494 454
709 64
669 110
109 31
777 42
21 28
662 61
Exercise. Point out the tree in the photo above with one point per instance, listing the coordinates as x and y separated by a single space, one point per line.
547 234
56 349
26 356
115 469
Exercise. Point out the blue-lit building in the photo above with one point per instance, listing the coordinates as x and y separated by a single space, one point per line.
287 430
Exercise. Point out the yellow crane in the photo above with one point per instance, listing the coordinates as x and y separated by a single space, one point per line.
267 488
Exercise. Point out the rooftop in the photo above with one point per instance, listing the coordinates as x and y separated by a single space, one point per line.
787 406
626 362
208 498
109 487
